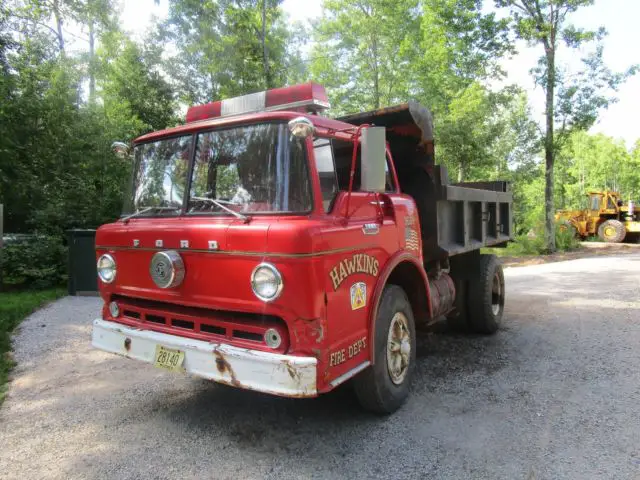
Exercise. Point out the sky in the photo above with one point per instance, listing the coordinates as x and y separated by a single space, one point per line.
619 17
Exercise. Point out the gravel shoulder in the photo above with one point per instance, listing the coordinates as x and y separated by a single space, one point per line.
553 395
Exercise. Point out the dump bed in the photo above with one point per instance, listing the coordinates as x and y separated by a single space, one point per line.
454 218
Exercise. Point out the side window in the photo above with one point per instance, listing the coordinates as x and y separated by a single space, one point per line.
326 171
389 185
595 202
610 203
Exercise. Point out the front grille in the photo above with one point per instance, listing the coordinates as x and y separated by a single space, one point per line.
243 329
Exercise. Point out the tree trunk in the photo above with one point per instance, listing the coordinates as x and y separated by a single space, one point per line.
461 172
550 236
92 73
376 74
265 58
58 20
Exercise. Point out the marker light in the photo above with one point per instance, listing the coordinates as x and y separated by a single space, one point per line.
272 338
266 282
114 310
106 268
307 97
301 127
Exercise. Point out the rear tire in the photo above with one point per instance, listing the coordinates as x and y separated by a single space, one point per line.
384 387
612 231
486 296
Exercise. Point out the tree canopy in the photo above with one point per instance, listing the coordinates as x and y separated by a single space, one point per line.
72 82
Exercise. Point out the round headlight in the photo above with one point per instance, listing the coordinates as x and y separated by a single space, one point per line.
107 268
266 282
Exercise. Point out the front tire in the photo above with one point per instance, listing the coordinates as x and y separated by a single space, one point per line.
612 231
384 387
567 226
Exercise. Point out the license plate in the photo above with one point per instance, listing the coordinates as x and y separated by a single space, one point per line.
169 359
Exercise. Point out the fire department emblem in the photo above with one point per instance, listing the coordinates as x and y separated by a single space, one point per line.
167 269
358 295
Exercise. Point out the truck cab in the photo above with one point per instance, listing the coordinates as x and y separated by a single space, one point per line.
268 247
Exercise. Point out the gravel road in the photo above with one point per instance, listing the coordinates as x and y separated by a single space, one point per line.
555 394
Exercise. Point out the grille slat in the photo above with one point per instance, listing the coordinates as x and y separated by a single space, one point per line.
156 319
254 337
240 328
182 323
212 329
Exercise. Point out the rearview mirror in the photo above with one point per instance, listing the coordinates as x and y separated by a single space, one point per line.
373 142
120 149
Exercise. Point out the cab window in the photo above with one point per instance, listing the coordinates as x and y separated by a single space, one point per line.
326 171
595 202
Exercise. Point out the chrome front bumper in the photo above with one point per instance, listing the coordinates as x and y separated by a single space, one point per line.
284 375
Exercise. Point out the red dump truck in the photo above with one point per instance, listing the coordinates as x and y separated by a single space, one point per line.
268 247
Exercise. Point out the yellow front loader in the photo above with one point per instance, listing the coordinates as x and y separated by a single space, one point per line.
606 216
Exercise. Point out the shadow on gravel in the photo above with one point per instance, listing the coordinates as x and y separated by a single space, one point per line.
260 422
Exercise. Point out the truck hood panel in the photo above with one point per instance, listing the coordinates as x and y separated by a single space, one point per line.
218 279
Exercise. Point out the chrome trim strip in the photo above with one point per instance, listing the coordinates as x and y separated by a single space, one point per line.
351 373
242 253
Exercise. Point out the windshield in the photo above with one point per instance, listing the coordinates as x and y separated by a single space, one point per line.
258 168
160 176
254 168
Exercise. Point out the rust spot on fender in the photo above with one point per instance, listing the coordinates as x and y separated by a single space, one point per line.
224 367
309 330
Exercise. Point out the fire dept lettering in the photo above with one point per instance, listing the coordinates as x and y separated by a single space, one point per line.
341 356
358 263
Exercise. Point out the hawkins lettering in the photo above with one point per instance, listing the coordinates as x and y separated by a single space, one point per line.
359 263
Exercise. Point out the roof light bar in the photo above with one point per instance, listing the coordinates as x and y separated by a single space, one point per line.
307 97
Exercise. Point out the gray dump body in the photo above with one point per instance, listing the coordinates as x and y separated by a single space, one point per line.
454 218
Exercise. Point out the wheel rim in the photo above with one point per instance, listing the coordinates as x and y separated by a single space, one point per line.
398 348
609 232
496 294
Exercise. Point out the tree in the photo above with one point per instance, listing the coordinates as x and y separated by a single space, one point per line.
131 80
359 51
571 101
227 48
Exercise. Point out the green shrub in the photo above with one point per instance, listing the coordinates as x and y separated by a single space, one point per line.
34 262
566 240
535 245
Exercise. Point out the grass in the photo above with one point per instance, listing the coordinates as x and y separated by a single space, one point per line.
14 307
525 246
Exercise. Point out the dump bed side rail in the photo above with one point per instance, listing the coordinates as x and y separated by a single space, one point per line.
472 218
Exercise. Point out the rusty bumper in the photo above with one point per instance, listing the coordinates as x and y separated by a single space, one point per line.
284 375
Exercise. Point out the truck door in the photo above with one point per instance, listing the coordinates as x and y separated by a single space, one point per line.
359 244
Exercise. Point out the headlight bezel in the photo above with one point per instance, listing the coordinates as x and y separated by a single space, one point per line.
114 267
277 275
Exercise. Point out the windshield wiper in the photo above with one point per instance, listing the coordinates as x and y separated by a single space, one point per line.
219 204
148 209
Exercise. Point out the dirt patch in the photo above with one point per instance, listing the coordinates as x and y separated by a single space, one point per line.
586 250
